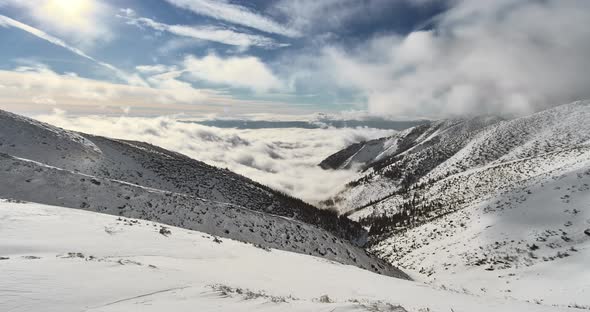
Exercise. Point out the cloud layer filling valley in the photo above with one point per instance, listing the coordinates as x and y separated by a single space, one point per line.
285 159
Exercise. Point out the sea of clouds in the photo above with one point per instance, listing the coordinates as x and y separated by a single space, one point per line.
286 159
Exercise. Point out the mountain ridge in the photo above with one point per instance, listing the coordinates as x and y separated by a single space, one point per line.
134 179
499 206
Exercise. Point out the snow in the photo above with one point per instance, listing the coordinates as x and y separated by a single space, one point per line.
503 224
456 149
60 259
23 179
527 243
48 165
502 207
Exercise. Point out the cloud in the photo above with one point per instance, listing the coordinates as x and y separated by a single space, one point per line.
242 72
305 15
285 159
37 88
6 21
29 86
82 21
507 56
175 90
43 100
246 72
332 16
155 69
209 33
235 14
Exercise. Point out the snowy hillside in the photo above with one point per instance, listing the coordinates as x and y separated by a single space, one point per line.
420 156
502 210
391 163
531 242
151 166
59 259
49 165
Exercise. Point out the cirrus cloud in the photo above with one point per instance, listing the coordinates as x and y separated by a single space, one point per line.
235 14
209 33
82 21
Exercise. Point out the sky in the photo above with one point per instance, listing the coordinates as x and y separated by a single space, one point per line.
406 59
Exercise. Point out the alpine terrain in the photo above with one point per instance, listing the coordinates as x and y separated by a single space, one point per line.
485 206
45 164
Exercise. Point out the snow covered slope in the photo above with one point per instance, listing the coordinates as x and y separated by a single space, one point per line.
531 242
48 165
502 211
150 166
59 259
395 162
429 153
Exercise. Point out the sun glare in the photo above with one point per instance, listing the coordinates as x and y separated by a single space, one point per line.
73 13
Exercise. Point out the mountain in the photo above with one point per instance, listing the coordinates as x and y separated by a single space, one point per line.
395 162
49 165
55 259
494 207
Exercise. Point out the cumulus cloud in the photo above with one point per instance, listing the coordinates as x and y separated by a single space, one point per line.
35 87
210 33
245 72
26 86
82 21
285 159
235 14
506 56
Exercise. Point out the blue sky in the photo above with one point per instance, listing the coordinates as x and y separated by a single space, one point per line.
155 37
404 58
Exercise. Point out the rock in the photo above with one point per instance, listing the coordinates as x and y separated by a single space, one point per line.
587 232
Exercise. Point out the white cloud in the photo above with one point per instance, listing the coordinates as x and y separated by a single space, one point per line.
506 56
34 85
308 14
26 87
325 16
6 21
81 21
209 33
43 100
235 14
246 72
175 90
155 69
285 159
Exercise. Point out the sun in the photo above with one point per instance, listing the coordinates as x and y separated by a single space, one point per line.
70 12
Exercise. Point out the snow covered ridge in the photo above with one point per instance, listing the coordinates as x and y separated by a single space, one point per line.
529 242
56 259
135 179
500 209
434 151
